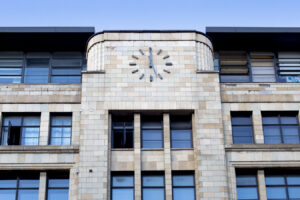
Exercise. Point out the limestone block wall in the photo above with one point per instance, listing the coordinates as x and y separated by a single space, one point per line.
116 88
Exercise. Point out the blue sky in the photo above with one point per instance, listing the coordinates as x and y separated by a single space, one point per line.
150 14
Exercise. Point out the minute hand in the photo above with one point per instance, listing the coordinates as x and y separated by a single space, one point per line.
151 61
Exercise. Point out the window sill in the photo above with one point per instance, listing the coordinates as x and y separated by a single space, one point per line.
39 149
122 149
148 149
262 147
179 149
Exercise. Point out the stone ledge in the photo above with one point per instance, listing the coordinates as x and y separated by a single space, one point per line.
262 147
39 149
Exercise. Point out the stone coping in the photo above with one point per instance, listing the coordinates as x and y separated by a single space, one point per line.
149 36
39 149
261 147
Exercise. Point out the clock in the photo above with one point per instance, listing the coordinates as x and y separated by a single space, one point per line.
151 65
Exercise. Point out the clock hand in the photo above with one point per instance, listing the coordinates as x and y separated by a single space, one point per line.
151 61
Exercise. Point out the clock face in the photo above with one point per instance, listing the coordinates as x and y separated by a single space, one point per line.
151 64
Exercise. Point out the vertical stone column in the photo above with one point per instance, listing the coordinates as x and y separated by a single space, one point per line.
44 128
137 157
257 126
261 185
75 128
167 154
195 143
43 186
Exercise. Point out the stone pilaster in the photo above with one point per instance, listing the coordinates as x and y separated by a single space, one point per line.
137 157
167 155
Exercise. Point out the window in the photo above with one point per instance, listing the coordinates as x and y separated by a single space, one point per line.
152 132
181 131
282 186
41 67
11 64
20 130
153 187
15 186
246 183
183 186
122 132
289 66
262 66
234 67
61 129
280 127
242 132
58 186
122 187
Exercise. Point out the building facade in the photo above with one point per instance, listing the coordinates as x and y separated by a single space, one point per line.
149 114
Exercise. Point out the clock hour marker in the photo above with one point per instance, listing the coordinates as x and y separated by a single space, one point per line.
142 76
167 71
159 52
132 63
160 76
135 71
135 57
151 78
141 51
165 57
169 64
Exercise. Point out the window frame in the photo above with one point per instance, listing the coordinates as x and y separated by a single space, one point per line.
43 55
57 175
153 174
123 120
20 115
120 174
191 129
53 114
147 118
277 173
239 114
248 173
18 177
280 125
184 173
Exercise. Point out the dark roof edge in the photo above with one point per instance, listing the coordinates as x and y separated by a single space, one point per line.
252 29
47 29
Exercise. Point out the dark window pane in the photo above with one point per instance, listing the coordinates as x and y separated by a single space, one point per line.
29 183
291 139
242 140
67 63
276 193
122 181
8 183
8 194
152 144
273 140
152 125
58 194
270 120
241 120
153 193
118 138
11 63
242 180
247 193
242 131
294 192
181 135
122 194
28 195
152 134
293 180
274 180
10 71
66 71
183 180
153 181
182 144
289 119
31 121
271 131
61 120
290 130
10 79
58 183
66 79
183 193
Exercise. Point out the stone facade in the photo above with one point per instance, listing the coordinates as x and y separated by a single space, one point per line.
109 85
